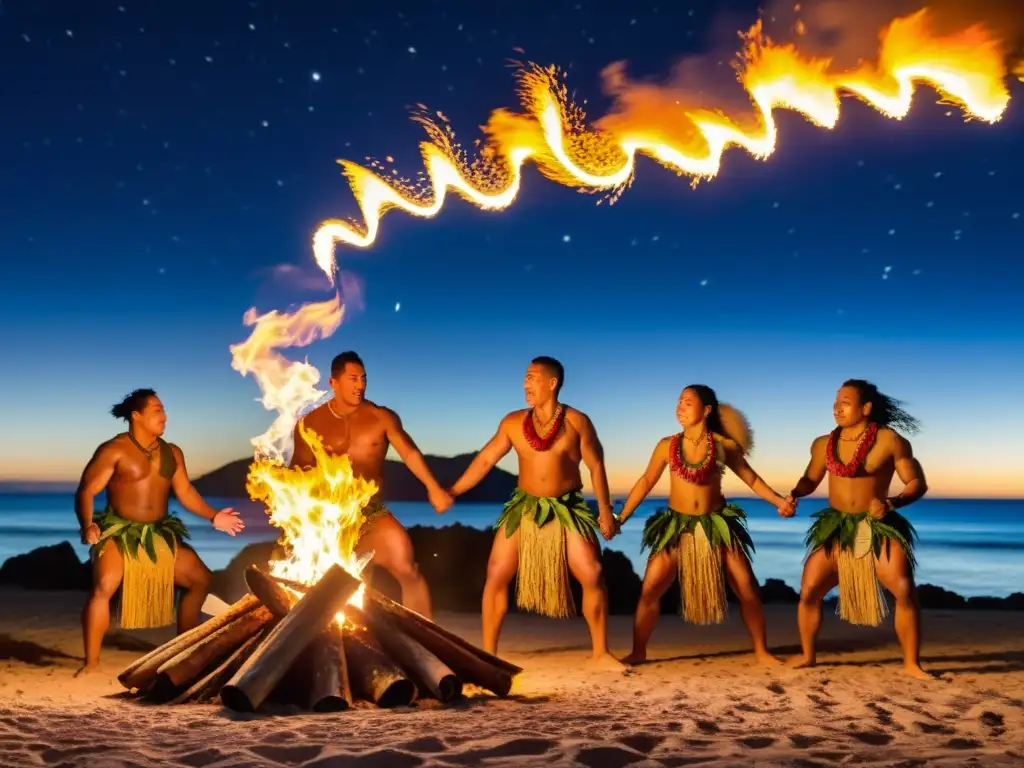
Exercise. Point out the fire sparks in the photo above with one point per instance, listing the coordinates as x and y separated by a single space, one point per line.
966 68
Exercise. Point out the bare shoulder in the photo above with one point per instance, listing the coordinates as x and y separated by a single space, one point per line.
819 444
317 414
178 453
380 411
512 418
111 449
663 445
577 418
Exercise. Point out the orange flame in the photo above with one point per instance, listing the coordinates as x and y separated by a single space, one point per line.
967 68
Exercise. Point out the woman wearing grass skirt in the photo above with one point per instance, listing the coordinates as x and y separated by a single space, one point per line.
860 539
700 535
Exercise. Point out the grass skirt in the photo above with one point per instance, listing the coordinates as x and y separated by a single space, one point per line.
700 542
856 542
148 551
542 581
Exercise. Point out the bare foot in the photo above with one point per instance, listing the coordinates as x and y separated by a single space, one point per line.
802 662
915 671
606 662
86 669
635 658
767 659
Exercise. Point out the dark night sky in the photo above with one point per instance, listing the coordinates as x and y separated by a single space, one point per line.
161 161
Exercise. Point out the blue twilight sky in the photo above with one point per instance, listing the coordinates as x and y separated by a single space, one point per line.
161 161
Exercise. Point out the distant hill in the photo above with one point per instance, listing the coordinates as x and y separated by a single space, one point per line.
399 483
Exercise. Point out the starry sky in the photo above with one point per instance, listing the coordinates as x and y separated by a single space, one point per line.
165 165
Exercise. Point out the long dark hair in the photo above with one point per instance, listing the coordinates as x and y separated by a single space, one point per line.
707 397
885 411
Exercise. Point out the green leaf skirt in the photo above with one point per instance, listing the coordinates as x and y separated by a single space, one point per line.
832 528
725 527
570 510
131 536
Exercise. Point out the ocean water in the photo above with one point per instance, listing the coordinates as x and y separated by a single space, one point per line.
971 546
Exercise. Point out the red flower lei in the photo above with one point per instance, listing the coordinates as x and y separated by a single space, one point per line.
691 473
536 441
832 462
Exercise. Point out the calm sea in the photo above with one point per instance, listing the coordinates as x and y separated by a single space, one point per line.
973 547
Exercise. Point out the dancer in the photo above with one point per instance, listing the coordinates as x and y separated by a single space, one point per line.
136 543
700 534
546 529
860 539
351 425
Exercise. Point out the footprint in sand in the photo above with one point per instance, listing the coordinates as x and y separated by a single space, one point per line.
874 738
706 726
959 743
945 730
514 748
994 722
757 742
426 745
288 755
776 688
800 741
607 757
642 742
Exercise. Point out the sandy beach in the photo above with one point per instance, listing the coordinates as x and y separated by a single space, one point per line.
700 702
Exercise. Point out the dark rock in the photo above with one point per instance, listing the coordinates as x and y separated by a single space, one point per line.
50 568
398 483
931 596
778 591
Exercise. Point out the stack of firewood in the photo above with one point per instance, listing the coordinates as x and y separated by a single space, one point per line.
282 643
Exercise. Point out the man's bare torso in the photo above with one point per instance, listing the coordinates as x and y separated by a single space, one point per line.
136 491
853 494
361 435
547 473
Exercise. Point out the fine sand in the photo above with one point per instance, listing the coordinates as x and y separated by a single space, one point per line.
700 702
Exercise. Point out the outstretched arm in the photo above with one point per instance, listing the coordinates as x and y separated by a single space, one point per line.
226 520
495 450
910 473
815 471
593 456
643 486
737 462
95 476
408 452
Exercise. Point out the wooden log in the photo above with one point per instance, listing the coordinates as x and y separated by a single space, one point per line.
372 595
375 677
254 681
457 654
375 598
270 592
431 675
329 689
140 674
189 665
208 687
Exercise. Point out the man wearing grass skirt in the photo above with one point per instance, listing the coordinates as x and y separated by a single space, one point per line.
137 544
546 530
860 540
700 535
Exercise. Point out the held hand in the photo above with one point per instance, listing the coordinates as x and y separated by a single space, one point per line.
786 506
90 534
441 500
606 522
877 509
228 521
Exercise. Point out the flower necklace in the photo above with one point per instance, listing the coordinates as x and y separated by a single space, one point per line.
832 462
697 474
543 442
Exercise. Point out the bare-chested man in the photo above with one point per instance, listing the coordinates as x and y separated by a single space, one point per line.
860 539
546 528
351 425
700 535
136 543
